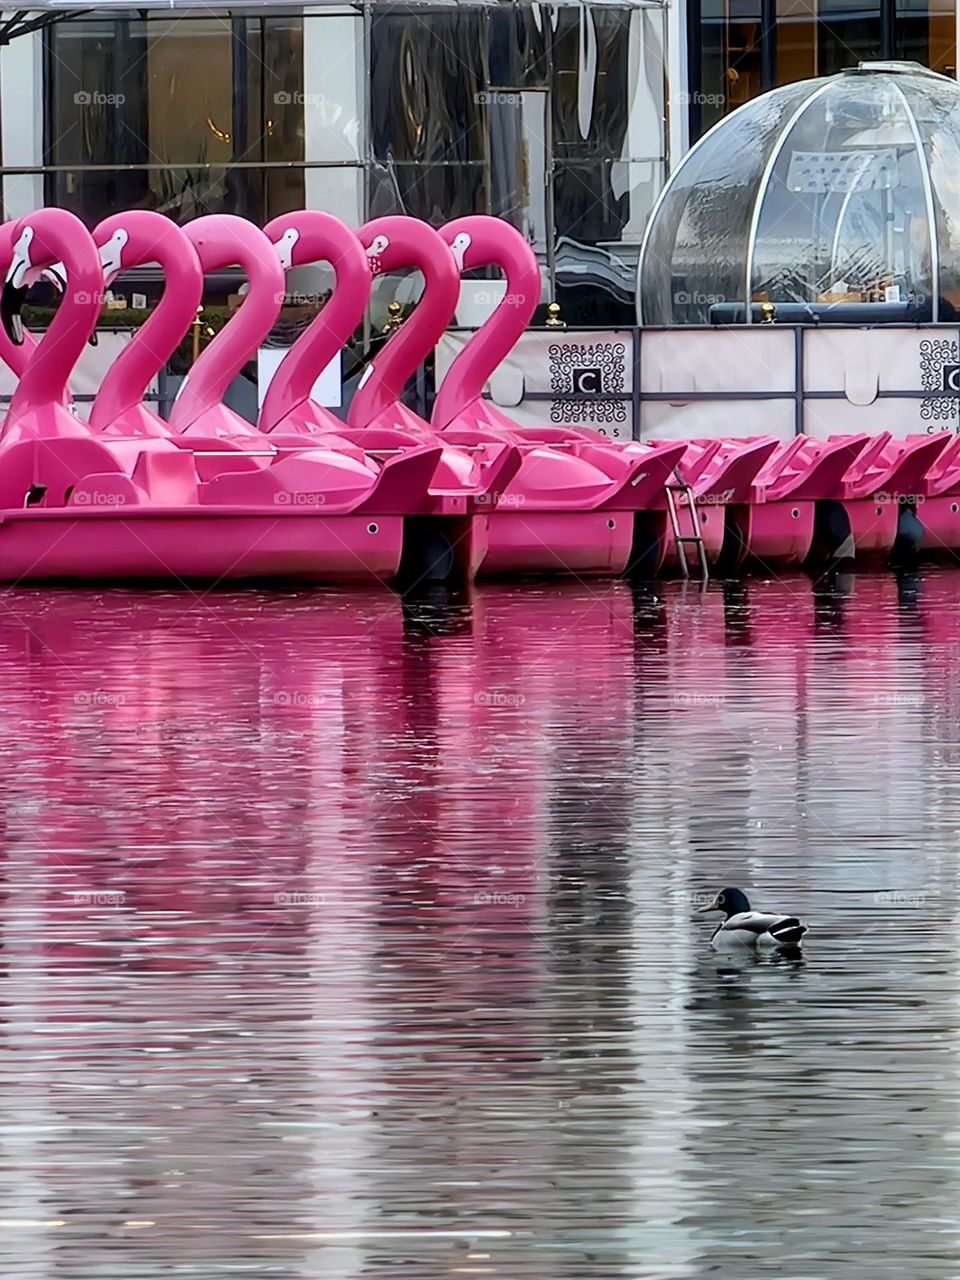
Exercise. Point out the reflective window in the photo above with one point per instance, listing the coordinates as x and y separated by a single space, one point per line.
745 47
197 103
926 32
796 37
551 116
848 32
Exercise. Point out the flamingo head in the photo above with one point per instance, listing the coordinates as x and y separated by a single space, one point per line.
111 260
459 247
375 251
21 274
284 247
111 254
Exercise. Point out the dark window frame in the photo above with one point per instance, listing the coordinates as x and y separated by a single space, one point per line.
768 52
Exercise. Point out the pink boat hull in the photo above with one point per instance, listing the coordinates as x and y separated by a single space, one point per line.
940 519
587 543
873 526
203 544
774 531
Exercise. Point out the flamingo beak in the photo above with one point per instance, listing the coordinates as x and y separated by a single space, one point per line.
11 307
55 275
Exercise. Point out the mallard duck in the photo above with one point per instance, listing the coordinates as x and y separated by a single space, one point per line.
755 929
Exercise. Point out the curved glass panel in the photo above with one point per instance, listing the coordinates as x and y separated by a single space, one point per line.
937 114
694 253
843 216
830 192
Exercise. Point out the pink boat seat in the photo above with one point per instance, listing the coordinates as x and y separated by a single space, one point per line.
101 492
48 469
213 455
807 469
644 486
167 479
943 477
698 456
898 468
320 479
732 470
402 482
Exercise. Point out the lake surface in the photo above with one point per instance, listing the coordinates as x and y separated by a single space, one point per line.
345 938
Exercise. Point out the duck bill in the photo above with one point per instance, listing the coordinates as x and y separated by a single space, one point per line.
11 311
710 906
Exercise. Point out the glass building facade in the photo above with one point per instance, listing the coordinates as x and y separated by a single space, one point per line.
550 115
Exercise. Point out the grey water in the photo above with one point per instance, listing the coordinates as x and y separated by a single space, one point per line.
343 936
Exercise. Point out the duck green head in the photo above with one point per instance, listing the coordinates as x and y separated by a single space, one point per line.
730 901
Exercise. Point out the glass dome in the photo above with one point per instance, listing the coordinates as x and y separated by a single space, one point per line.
833 199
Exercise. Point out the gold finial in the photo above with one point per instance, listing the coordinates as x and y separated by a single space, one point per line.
395 319
768 313
553 316
197 326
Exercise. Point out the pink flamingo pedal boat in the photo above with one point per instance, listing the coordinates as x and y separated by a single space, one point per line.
719 474
571 506
837 498
75 504
443 535
936 507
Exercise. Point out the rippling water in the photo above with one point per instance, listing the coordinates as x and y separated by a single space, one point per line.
342 938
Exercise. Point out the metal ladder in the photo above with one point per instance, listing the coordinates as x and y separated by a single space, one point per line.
679 485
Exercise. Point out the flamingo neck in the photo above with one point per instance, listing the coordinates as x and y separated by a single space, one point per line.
152 345
44 379
323 338
220 362
464 381
386 377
